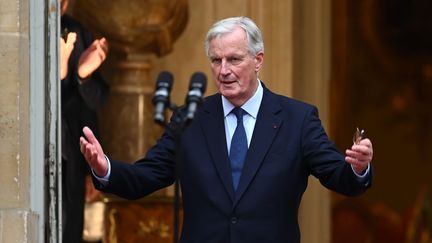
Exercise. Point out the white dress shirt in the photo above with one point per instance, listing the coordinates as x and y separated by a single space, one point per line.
249 119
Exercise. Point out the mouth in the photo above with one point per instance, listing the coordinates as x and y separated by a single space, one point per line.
228 81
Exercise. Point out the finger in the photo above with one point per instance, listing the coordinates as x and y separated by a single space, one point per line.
356 153
92 47
95 43
356 162
366 143
104 44
359 154
365 149
94 155
82 143
350 160
86 152
351 153
90 136
365 146
101 49
71 38
90 154
101 53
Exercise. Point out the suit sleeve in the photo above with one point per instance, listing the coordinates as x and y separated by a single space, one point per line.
325 161
147 175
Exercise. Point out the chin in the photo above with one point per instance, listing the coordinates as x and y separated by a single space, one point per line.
228 93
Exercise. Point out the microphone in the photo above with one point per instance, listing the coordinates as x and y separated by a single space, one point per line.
161 99
194 97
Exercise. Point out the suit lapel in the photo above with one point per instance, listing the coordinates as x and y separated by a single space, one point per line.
212 124
266 127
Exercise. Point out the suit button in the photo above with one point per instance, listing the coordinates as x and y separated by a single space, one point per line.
234 220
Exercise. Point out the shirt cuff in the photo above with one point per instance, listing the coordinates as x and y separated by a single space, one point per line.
104 180
362 175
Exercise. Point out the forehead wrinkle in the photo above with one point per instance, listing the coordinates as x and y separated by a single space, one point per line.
219 48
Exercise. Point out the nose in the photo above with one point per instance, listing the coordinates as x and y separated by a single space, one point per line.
225 68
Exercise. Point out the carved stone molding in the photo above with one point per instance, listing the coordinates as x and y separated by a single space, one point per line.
137 26
139 221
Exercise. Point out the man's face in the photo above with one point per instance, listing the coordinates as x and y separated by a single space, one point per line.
234 69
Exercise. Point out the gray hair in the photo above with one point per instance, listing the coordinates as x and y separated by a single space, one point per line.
228 25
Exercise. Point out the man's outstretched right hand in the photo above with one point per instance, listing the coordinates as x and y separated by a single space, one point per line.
93 153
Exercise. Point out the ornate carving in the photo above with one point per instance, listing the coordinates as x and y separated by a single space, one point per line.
144 26
153 227
145 220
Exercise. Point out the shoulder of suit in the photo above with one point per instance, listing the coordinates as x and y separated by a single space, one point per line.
212 98
287 101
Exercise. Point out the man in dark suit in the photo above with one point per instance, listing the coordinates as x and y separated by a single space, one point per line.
82 93
242 171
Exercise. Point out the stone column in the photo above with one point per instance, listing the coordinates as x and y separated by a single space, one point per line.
136 30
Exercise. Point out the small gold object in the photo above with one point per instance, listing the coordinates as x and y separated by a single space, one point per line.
358 135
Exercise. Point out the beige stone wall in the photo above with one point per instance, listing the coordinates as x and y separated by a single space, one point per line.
17 223
275 20
311 84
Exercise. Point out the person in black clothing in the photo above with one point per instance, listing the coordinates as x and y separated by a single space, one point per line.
83 92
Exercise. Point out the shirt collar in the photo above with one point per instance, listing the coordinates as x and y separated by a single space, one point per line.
251 106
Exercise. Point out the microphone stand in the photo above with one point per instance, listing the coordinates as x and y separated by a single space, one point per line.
178 124
180 120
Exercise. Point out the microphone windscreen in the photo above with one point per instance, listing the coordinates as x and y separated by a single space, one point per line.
164 80
198 81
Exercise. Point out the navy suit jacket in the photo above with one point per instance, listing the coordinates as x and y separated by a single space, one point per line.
288 144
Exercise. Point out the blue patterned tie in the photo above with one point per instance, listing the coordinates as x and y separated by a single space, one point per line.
238 147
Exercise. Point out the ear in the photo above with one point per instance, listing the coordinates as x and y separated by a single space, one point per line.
259 61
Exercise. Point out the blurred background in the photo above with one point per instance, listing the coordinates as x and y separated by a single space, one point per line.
382 82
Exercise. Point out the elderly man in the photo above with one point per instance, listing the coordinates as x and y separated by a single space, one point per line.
246 157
